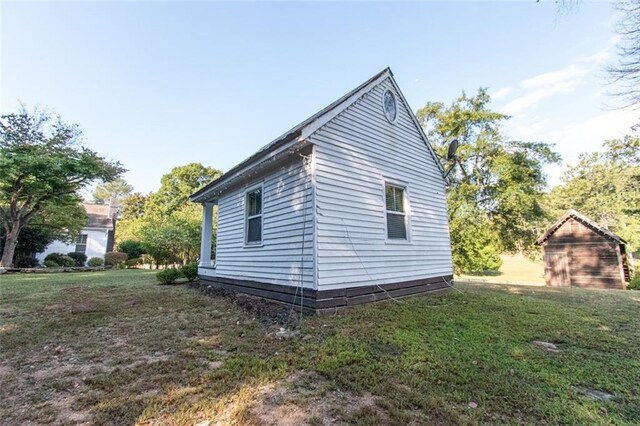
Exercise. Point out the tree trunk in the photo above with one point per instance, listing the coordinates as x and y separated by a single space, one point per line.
10 246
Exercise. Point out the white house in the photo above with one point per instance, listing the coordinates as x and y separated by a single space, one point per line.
95 239
347 207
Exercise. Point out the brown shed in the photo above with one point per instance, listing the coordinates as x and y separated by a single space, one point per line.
578 252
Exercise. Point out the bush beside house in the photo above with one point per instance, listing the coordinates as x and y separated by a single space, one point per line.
79 258
56 260
115 258
95 262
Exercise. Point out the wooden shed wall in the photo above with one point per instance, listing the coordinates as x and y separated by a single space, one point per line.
593 260
355 154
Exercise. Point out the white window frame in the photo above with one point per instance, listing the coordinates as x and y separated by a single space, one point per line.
407 210
245 207
80 243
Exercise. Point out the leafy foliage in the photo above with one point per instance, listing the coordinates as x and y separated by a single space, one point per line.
475 245
605 186
495 190
131 263
26 262
95 261
112 192
79 258
177 185
42 164
61 222
175 237
115 258
132 248
634 284
51 264
190 271
166 223
133 206
168 276
60 259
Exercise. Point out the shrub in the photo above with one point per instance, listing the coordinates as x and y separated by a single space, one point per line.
26 262
79 258
634 284
132 248
95 261
132 263
115 258
190 271
51 263
60 260
168 276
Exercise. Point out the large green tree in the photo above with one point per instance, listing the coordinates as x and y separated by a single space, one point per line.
166 222
495 189
605 186
112 192
42 164
177 185
54 222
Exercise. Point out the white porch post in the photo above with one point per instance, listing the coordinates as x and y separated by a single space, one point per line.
205 240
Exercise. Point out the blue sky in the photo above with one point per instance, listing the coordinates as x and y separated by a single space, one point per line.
156 85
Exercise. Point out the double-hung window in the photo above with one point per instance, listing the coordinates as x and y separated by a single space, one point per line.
253 222
396 214
81 243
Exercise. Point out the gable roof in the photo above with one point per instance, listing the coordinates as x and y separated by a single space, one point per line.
585 221
304 129
99 216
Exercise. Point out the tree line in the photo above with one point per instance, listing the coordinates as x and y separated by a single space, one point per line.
496 194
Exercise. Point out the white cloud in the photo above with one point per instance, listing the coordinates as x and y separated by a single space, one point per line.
549 79
501 93
526 101
576 137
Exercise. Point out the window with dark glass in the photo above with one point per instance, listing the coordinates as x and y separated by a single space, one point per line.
254 216
396 215
81 243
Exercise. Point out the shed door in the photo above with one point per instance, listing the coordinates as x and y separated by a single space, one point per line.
557 270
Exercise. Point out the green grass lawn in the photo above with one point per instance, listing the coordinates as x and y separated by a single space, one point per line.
515 269
114 348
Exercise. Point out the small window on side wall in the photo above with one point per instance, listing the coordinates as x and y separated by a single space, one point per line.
396 215
253 212
81 244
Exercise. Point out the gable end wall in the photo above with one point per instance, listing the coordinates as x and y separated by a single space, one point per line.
354 155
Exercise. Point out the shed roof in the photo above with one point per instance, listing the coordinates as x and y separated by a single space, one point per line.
303 129
585 221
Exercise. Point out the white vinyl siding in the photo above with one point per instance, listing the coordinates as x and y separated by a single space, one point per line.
355 153
286 249
95 246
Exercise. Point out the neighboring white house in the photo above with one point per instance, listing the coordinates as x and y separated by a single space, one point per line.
95 239
345 208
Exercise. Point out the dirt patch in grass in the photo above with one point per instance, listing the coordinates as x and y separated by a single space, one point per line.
265 311
303 398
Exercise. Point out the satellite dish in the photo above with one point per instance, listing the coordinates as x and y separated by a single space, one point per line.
453 147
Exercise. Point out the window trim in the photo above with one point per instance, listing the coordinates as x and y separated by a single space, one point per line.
407 210
77 243
245 231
